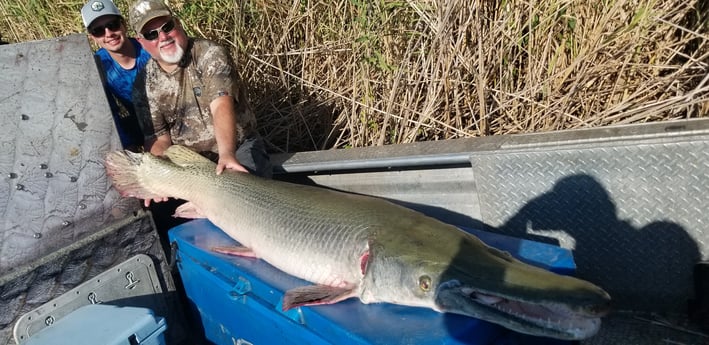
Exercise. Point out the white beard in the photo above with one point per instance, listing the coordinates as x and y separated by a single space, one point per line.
172 58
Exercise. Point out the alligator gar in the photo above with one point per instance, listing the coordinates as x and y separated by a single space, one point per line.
352 245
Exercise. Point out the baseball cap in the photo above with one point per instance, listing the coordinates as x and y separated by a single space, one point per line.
143 11
98 8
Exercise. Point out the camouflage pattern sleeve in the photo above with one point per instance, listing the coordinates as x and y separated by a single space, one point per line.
222 78
142 109
218 72
151 123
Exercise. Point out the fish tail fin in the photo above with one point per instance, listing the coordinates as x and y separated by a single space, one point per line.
123 167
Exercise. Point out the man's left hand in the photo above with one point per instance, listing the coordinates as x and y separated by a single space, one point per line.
229 162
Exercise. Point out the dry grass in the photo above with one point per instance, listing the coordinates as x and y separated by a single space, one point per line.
347 73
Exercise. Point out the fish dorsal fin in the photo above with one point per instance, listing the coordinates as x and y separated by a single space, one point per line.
183 156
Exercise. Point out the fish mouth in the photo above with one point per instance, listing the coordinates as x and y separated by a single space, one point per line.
540 318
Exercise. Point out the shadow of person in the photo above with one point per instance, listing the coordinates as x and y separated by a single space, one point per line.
645 268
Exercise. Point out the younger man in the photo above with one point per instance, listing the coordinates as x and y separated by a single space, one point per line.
121 58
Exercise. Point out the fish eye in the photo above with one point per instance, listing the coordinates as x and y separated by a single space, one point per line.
425 283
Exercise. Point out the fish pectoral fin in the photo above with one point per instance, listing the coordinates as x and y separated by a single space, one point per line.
188 210
315 295
235 251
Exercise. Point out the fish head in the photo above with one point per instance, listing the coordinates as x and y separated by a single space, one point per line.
454 272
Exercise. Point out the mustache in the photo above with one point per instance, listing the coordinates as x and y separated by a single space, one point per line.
166 42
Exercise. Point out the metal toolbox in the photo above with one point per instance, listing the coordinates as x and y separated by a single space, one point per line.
238 300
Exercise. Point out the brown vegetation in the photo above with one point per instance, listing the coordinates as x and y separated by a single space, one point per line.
347 73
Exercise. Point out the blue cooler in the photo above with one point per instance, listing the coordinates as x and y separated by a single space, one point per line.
106 325
238 300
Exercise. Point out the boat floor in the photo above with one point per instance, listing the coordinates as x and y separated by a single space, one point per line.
627 328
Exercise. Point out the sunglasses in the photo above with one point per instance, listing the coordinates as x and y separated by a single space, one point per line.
99 31
153 34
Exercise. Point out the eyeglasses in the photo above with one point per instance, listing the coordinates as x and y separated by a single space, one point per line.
99 31
153 34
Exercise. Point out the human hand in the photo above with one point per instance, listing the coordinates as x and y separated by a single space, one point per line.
229 162
146 202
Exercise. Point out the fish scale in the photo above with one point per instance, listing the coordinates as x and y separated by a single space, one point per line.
313 248
297 245
323 236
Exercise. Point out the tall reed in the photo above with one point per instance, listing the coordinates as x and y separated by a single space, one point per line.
346 73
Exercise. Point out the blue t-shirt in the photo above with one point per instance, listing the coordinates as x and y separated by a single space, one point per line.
119 86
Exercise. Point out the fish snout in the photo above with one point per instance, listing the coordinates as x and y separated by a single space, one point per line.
598 304
597 310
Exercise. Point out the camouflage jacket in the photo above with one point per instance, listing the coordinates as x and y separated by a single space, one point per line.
177 103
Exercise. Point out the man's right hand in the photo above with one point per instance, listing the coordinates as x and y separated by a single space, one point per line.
146 202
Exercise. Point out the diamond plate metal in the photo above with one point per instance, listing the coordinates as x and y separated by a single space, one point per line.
634 210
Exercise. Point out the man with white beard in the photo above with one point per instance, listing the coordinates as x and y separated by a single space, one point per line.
189 94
